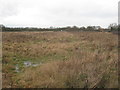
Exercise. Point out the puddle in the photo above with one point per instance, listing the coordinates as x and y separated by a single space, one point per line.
34 65
26 64
17 69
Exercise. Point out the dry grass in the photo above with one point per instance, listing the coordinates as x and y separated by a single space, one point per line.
70 59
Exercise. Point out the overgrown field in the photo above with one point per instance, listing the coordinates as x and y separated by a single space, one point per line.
60 60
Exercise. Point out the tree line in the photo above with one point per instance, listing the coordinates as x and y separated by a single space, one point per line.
112 27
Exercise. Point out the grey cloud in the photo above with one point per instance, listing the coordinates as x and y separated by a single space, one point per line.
8 8
45 13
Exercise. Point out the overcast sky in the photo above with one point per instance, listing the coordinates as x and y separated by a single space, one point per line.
58 13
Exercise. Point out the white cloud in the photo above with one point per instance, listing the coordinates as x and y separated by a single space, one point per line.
46 13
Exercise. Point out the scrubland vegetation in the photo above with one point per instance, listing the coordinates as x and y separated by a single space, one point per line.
63 60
